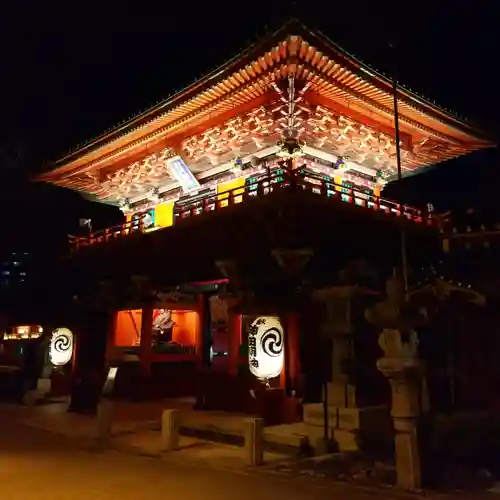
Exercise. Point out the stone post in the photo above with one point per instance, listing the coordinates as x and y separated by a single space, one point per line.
403 369
254 441
170 424
104 421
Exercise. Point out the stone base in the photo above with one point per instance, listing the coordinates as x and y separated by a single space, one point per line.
408 460
349 428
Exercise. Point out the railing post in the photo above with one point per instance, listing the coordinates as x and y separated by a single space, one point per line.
260 188
170 423
254 441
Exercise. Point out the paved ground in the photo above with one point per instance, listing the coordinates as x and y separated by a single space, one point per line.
133 425
35 464
39 465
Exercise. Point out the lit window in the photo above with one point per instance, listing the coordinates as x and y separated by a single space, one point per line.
5 273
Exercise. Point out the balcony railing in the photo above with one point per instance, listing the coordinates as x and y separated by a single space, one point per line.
261 187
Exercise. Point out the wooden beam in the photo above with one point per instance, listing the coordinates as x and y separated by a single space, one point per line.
244 108
319 100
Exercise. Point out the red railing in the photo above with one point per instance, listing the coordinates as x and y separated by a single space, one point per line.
262 187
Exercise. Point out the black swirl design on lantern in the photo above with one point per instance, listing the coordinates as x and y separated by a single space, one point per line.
62 343
272 342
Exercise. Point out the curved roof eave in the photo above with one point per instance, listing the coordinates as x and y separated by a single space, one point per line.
292 27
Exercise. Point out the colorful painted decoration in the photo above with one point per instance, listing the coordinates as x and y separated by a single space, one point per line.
265 347
61 346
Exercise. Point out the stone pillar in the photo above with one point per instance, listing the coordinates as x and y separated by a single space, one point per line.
146 343
403 369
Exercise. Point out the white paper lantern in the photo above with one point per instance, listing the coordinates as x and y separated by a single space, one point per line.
265 347
61 346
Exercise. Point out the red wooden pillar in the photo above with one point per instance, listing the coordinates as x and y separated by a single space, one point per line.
146 345
200 334
292 349
282 382
235 326
111 337
284 370
74 360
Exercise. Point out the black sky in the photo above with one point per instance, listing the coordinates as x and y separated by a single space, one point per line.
69 71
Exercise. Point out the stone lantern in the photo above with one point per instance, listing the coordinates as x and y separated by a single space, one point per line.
403 368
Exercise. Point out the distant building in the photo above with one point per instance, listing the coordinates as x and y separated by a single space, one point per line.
15 270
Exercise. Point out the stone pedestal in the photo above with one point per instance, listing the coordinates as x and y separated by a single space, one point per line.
408 459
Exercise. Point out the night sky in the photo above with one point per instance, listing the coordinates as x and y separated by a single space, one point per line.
69 71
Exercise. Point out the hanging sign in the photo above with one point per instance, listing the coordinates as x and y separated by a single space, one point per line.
61 346
265 347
